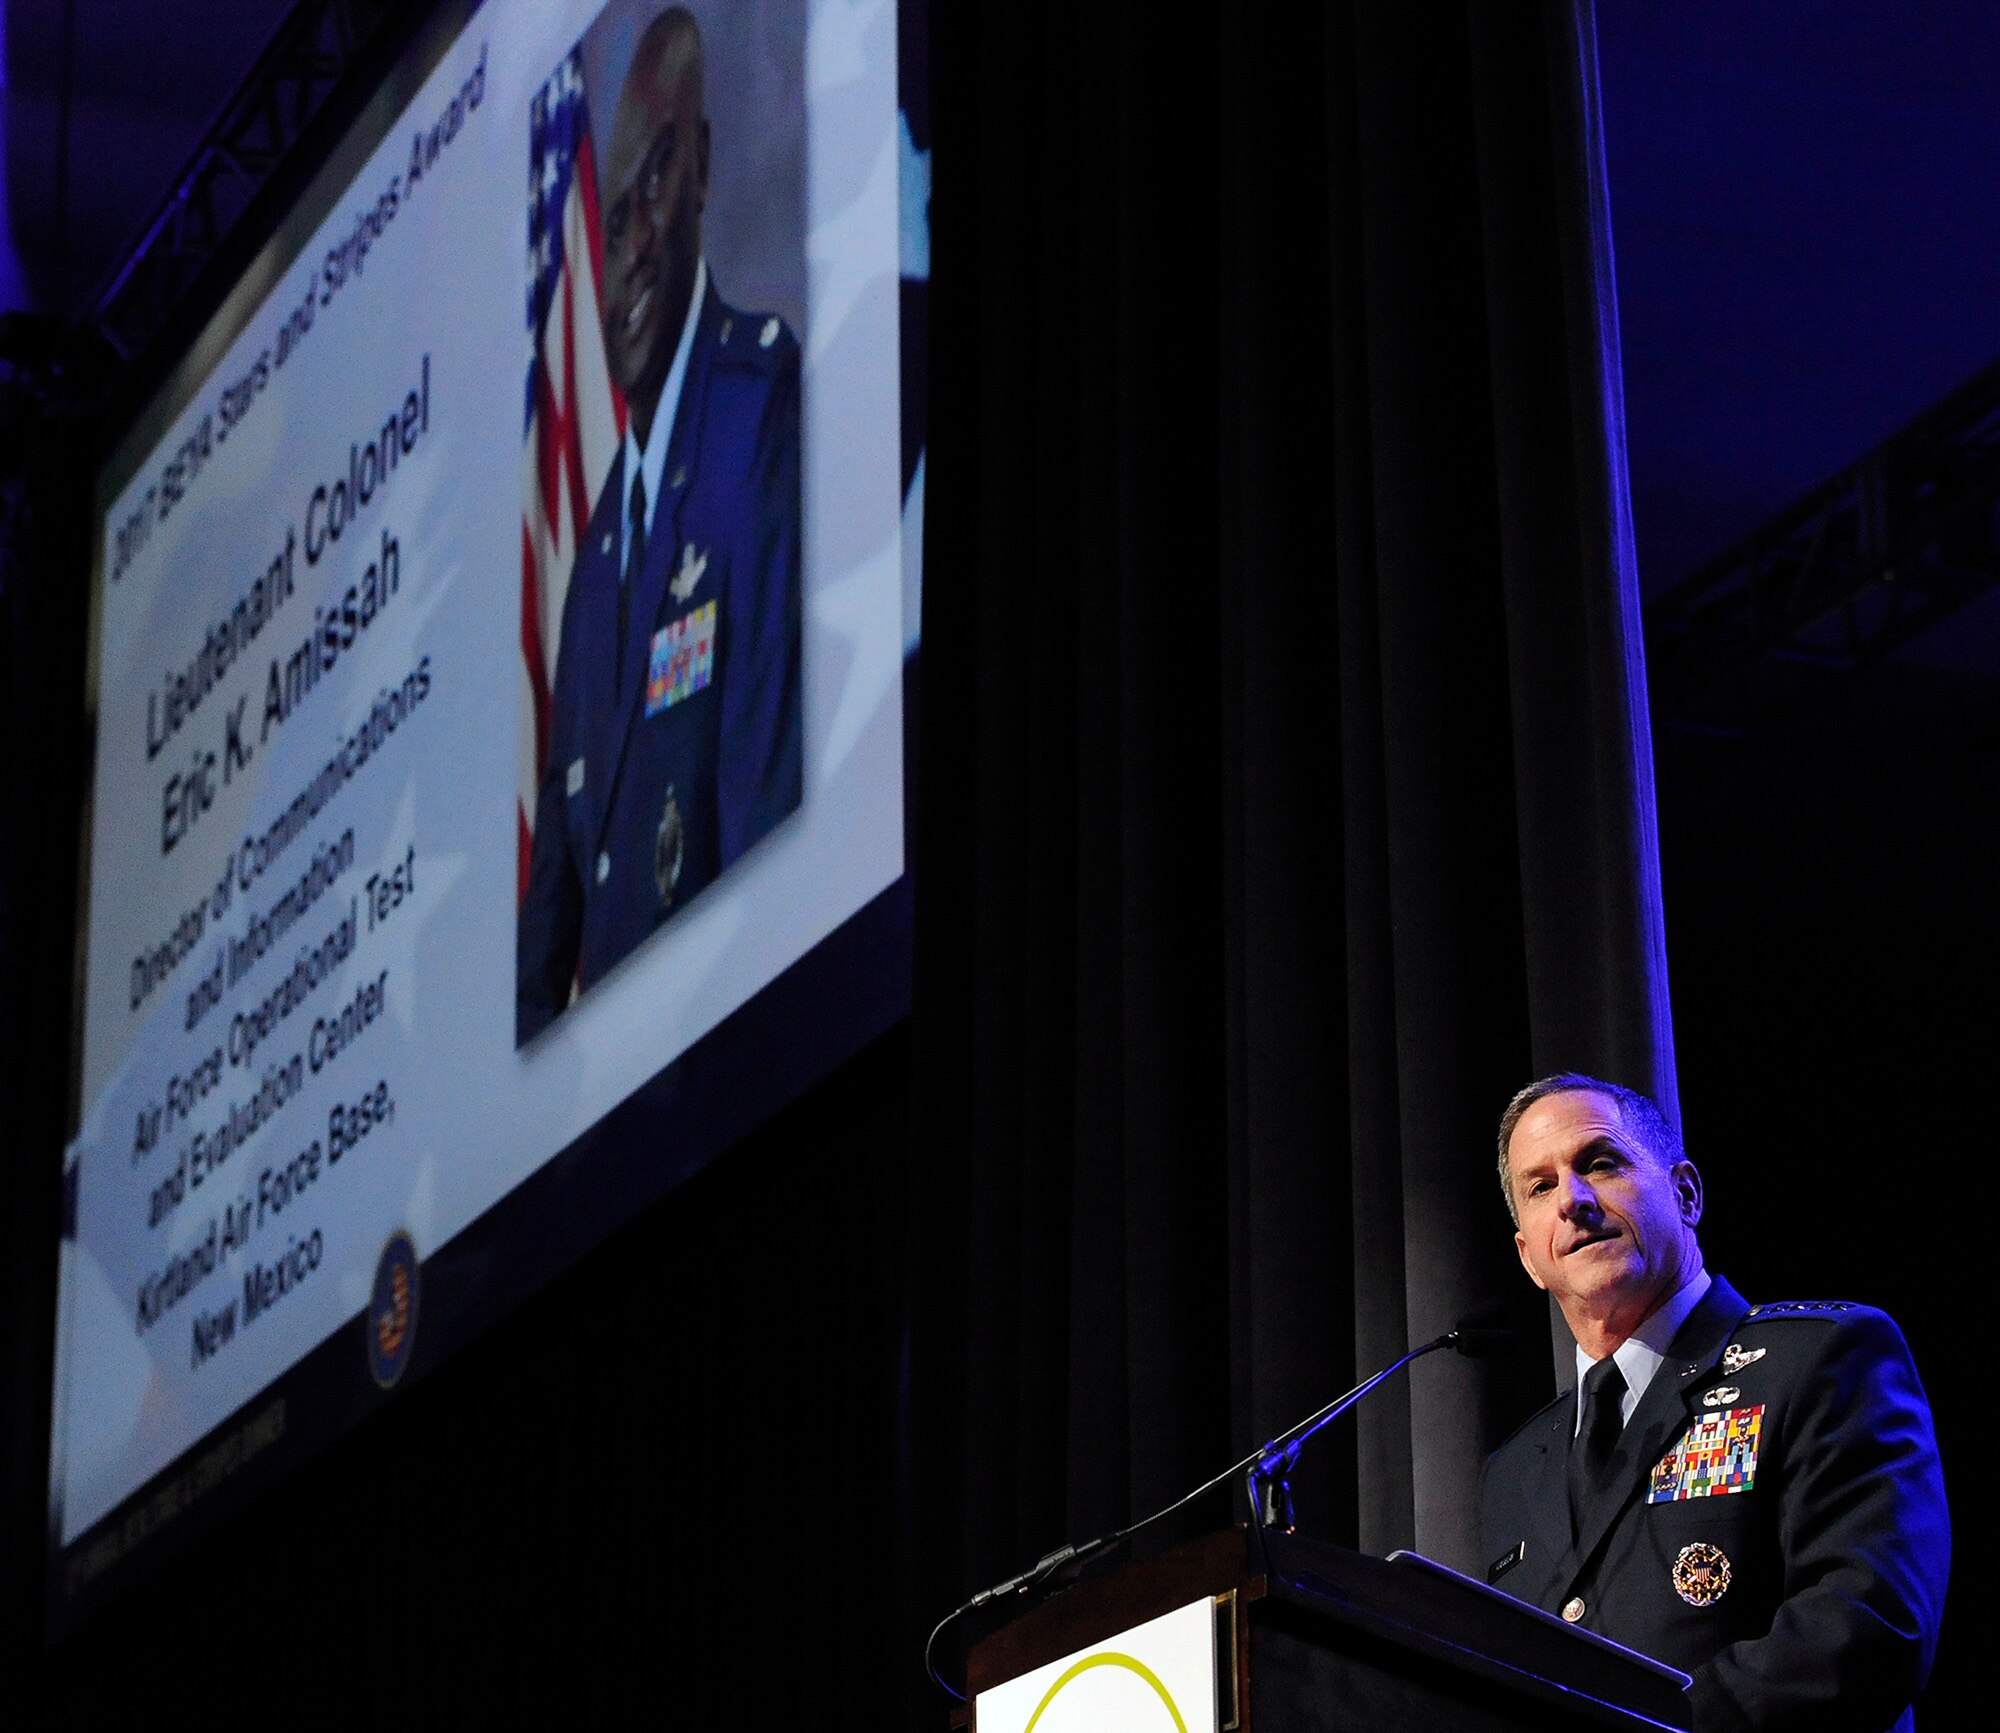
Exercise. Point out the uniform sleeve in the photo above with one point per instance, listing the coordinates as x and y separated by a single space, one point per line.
550 929
760 762
1866 1547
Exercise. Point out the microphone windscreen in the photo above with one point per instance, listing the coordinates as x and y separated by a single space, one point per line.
1490 1314
1476 1344
1485 1329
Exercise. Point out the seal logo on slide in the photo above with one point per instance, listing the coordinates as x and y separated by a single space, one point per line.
392 1309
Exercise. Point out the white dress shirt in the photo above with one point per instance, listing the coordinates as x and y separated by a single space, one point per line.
1641 1354
650 462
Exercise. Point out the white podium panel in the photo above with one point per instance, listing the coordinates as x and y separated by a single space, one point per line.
1158 1677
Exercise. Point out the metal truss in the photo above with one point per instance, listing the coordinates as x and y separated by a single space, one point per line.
1862 564
313 50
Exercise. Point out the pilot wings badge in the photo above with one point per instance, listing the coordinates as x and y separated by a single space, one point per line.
694 561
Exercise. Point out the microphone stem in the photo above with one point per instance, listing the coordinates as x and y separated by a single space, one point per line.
1289 1443
1282 1450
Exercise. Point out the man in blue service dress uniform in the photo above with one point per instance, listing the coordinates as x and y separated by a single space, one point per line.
675 735
1749 1493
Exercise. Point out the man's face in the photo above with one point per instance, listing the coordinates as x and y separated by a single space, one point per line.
656 183
1604 1227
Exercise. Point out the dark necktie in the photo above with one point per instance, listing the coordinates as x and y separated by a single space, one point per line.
635 560
1597 1440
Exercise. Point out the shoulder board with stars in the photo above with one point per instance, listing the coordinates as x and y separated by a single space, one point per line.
1799 1308
755 342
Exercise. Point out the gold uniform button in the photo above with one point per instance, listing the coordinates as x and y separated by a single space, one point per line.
1573 1608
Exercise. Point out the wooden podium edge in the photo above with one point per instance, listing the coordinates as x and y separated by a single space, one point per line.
1215 1567
1233 1569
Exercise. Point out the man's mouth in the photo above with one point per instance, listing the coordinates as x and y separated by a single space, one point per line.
1583 1242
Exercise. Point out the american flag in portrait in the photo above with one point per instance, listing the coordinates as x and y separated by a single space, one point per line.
575 416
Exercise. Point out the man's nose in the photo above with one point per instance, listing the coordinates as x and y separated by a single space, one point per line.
640 227
624 251
1577 1197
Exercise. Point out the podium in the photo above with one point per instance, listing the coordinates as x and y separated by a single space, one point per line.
1314 1638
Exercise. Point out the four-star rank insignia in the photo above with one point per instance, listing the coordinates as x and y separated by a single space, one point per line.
1735 1357
1701 1574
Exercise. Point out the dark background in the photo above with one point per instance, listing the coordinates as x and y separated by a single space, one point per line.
1804 266
1803 217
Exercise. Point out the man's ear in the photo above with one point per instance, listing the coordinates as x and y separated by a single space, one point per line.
1521 1250
1687 1188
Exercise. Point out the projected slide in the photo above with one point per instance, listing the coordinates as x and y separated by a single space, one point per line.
498 679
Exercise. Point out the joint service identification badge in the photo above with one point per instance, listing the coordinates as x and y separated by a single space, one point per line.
669 850
1716 1455
1701 1574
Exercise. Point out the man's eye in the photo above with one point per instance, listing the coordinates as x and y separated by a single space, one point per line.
654 175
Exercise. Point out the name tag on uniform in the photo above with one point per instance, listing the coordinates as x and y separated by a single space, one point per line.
1716 1455
683 659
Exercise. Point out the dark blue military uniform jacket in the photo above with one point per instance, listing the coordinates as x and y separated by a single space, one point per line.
1775 1523
661 773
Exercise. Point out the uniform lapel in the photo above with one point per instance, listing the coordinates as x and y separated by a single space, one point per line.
1547 1503
1662 1415
596 675
663 540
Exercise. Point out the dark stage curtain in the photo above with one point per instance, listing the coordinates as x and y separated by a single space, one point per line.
1288 778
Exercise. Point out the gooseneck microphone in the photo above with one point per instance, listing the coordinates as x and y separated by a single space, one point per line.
1267 1476
1479 1333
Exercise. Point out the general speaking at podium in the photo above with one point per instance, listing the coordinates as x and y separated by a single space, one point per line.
1749 1493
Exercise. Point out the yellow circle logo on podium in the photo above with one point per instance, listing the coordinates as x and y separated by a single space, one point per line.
1129 1706
1159 1676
